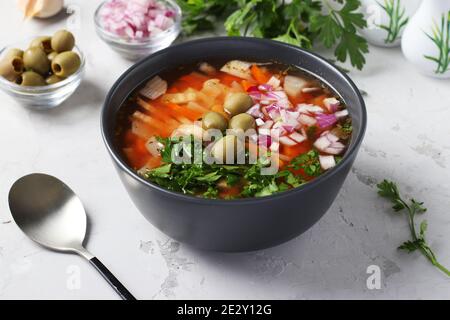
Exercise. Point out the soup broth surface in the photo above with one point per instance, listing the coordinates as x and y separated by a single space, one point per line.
235 129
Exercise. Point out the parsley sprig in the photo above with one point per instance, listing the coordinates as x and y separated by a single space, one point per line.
389 190
298 22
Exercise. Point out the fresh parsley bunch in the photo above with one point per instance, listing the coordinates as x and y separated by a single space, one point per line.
332 23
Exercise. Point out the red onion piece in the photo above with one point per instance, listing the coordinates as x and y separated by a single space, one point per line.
287 141
327 162
307 120
332 104
326 120
255 111
341 114
297 137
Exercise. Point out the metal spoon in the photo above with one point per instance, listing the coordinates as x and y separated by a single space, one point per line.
51 214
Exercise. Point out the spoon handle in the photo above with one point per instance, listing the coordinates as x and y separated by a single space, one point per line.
112 280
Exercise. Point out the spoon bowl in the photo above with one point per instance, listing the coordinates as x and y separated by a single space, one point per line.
49 212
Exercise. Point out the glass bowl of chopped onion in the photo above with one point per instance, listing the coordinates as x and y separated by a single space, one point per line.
136 28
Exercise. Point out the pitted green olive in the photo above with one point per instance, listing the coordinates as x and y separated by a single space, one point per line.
66 64
236 103
31 78
242 121
52 55
62 40
214 120
36 59
225 150
14 53
53 79
11 67
45 43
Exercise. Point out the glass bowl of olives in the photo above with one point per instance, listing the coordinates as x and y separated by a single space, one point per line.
45 74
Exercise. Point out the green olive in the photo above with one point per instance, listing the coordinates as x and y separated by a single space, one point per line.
63 40
242 121
236 103
36 59
44 43
52 55
214 120
53 79
31 78
66 64
14 53
11 67
225 149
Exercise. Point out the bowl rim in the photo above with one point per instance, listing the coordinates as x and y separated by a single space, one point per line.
37 90
175 28
205 201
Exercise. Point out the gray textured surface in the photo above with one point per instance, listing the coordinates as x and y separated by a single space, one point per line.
407 140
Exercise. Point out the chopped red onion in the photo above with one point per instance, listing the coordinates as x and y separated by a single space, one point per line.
264 140
322 143
297 137
275 146
274 82
341 114
309 108
307 120
326 120
328 143
136 19
327 162
255 111
265 87
259 122
332 104
287 141
267 125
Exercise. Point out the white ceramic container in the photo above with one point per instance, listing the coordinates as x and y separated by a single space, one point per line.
426 39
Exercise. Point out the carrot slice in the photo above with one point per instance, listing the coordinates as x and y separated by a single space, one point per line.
260 75
159 113
154 162
162 128
247 84
194 80
183 111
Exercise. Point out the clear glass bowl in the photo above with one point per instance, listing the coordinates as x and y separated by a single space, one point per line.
135 49
42 97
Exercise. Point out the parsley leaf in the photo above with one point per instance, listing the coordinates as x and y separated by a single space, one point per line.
389 190
340 26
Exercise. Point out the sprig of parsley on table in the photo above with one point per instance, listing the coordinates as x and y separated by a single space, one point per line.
298 22
389 190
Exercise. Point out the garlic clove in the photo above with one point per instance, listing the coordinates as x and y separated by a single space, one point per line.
40 8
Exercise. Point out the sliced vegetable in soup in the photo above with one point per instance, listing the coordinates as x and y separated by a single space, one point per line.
233 130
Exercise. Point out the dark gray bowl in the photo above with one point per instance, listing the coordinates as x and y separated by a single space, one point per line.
234 225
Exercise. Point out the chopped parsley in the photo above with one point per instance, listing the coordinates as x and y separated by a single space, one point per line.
207 180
